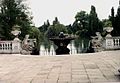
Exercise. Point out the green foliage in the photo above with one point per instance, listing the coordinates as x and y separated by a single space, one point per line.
112 19
69 29
117 23
56 21
44 27
81 16
81 23
47 43
115 19
107 23
75 27
94 23
14 12
35 33
55 29
87 25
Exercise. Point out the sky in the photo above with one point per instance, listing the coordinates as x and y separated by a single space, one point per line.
66 10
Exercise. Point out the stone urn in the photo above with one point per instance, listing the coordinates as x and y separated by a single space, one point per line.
16 32
108 30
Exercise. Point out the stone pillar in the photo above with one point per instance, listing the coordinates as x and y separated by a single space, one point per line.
109 43
16 43
16 47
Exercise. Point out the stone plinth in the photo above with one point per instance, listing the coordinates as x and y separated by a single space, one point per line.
16 46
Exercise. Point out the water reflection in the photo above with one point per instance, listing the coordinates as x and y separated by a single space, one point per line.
76 46
47 51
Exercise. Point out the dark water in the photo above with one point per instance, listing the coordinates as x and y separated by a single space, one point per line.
77 46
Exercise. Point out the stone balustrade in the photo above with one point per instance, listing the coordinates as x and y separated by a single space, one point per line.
8 47
112 43
14 47
5 46
116 43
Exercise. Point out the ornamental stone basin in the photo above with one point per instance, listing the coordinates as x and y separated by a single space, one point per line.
62 42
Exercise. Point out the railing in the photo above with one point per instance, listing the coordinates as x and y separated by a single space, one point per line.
116 42
112 43
5 46
8 47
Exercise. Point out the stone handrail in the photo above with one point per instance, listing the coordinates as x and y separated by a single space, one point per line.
5 46
112 43
8 47
116 43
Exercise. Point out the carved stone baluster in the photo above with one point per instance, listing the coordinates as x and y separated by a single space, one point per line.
115 43
118 42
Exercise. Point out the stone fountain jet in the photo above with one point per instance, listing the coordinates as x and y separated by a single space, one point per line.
62 42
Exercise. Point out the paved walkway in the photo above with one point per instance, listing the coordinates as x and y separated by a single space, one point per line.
84 68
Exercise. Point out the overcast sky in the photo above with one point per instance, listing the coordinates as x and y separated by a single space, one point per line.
66 10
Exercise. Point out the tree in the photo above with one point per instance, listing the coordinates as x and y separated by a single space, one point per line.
69 29
115 19
48 23
35 33
75 27
87 25
56 21
94 23
112 18
117 23
14 12
44 27
106 23
55 29
81 20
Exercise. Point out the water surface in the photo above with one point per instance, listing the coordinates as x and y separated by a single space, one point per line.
77 46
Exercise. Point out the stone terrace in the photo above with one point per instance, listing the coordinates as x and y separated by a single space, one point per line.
83 68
